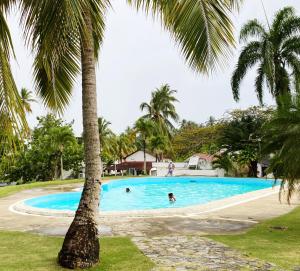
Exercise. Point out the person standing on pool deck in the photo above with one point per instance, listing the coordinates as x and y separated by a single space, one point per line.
171 168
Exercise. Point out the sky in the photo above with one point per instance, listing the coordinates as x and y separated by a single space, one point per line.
137 57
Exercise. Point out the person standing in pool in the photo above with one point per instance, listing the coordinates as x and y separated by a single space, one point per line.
171 168
171 197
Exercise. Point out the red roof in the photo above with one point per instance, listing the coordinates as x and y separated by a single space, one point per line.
205 156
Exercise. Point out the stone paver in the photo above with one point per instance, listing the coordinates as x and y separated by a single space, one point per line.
196 253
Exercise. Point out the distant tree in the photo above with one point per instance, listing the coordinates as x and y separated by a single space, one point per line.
241 135
144 128
224 162
275 49
185 124
191 139
27 99
159 144
51 148
104 132
161 108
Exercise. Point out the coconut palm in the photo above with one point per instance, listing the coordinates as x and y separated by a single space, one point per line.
104 131
275 49
13 122
26 98
65 35
60 137
161 108
144 128
282 140
158 145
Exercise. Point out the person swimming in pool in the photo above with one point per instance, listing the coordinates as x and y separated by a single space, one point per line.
128 190
171 197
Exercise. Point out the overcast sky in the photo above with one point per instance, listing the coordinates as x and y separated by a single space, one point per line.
137 57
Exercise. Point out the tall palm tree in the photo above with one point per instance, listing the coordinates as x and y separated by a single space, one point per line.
13 122
144 128
104 131
275 49
65 34
27 99
282 140
161 108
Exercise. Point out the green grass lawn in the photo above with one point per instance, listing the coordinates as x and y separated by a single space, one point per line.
279 246
29 252
9 190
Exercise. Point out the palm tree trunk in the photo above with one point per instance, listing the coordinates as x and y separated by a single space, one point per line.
145 162
61 166
81 245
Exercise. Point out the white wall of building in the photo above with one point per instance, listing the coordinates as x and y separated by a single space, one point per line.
139 157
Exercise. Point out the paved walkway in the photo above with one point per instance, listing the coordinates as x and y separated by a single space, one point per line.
196 253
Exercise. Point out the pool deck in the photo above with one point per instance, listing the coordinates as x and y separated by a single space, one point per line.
235 214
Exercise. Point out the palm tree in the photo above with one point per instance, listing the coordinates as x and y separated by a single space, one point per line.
26 98
161 108
282 141
159 144
67 34
144 128
104 131
275 49
13 122
61 137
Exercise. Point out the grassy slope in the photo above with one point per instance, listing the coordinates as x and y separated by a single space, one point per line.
8 190
281 247
28 252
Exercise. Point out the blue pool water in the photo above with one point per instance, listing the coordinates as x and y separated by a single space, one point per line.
152 193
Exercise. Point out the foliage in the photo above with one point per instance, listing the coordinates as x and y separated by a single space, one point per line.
27 99
13 124
241 136
118 253
282 140
191 139
51 143
224 161
275 49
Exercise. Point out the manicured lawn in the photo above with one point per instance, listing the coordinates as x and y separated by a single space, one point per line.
28 252
276 240
8 190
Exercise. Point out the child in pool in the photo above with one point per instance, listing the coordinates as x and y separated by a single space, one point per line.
171 197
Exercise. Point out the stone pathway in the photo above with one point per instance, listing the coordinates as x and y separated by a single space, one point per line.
196 253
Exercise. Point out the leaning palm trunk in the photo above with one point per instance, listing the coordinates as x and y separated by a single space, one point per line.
81 245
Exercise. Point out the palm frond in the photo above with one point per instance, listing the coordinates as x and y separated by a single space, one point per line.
202 28
252 29
249 56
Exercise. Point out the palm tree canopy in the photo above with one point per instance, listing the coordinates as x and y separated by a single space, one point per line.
27 99
275 51
161 108
104 131
202 28
282 139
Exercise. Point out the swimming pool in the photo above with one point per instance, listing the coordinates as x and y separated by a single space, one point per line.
152 193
